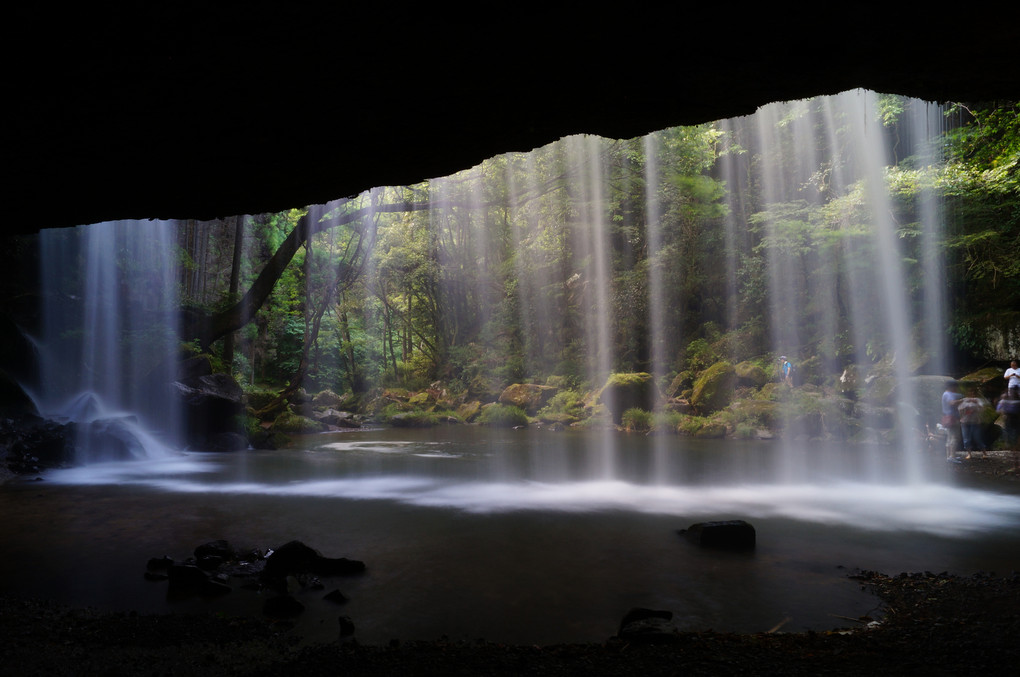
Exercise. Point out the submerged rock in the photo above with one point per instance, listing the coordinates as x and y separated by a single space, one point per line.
648 626
727 535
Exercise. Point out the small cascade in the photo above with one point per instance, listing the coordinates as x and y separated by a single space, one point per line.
109 343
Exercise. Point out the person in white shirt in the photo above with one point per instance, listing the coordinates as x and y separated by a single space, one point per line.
1012 377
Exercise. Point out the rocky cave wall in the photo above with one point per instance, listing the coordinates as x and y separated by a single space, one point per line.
183 110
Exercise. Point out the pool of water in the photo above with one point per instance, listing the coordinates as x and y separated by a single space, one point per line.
514 536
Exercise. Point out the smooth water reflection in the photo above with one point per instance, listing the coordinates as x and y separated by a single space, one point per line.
503 471
515 536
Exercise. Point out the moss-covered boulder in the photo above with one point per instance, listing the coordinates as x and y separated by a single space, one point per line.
469 411
714 388
750 374
757 413
625 391
988 380
327 399
527 396
880 389
289 422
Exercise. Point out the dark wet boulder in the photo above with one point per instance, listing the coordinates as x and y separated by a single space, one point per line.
194 367
727 535
227 441
336 597
29 444
297 558
337 418
652 626
346 626
185 579
159 563
212 404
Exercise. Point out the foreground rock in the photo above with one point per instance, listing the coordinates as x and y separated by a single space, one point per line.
216 567
651 626
725 535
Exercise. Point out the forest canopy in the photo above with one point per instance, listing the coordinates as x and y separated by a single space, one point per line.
541 266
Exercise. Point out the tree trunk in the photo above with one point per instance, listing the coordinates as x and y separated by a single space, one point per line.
235 273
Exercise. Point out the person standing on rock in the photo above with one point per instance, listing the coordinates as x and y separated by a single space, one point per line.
972 409
1012 377
1009 408
951 399
786 370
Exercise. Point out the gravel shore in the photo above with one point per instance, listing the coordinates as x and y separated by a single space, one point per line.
931 624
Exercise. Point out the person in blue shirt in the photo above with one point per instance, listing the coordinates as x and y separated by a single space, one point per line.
786 370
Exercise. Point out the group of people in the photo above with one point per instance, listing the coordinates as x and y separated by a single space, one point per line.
964 416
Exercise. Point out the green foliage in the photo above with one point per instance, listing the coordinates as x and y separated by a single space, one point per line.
667 421
637 420
499 274
503 416
566 406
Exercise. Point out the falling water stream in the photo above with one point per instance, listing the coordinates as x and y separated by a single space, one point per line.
518 536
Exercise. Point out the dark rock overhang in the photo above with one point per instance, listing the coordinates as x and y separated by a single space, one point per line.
189 110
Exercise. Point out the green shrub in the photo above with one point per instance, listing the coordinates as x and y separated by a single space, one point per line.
667 421
636 420
566 406
691 425
503 416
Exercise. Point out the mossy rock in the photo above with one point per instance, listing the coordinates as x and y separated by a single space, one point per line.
749 373
527 396
289 422
299 396
713 430
469 410
327 399
629 390
679 384
714 388
881 390
988 381
421 399
759 412
414 419
259 399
